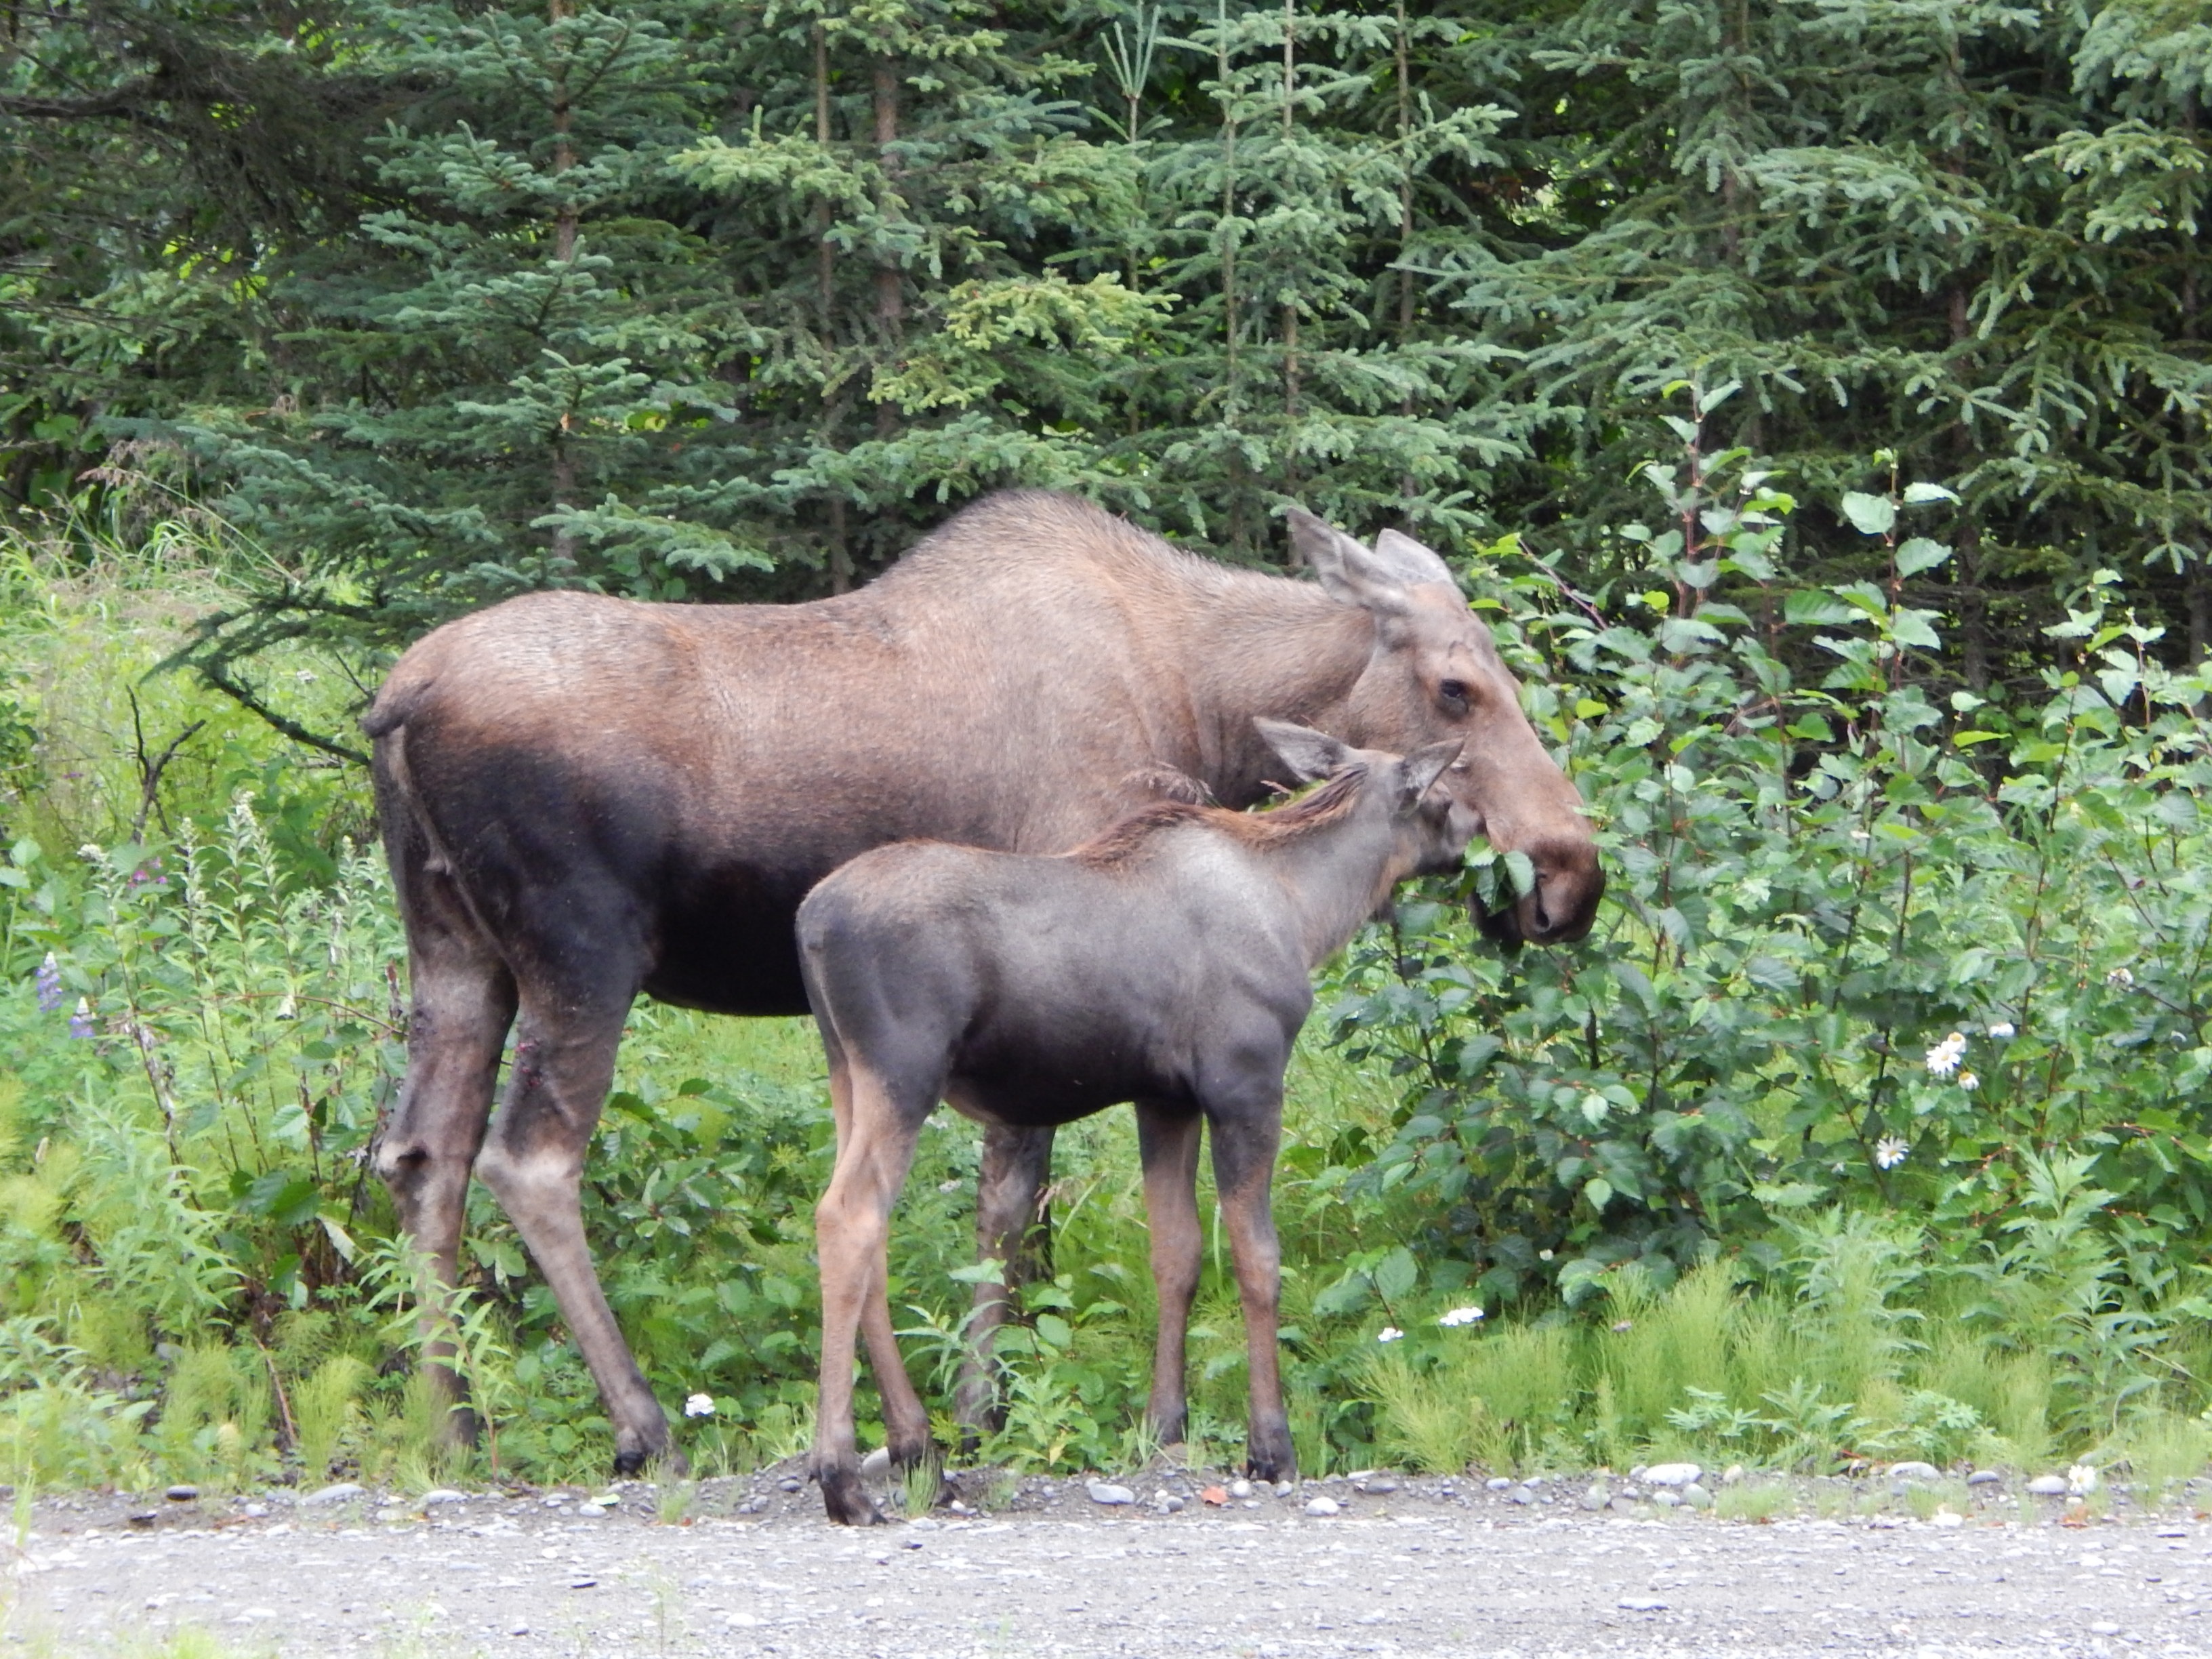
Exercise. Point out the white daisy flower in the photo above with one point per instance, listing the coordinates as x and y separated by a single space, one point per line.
1889 1152
1461 1316
699 1404
1388 1334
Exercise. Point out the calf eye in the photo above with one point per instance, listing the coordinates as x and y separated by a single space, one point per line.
1453 692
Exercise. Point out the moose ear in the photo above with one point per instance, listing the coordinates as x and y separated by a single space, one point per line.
1312 755
1425 766
1409 563
1349 572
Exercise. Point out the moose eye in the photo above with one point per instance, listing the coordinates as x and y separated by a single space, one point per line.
1453 692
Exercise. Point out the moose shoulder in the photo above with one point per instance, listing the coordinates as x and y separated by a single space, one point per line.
587 797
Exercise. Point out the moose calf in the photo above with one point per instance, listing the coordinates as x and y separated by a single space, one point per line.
1166 962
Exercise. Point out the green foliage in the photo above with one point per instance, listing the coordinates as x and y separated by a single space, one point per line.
732 298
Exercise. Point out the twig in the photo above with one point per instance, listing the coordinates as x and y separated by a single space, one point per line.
149 772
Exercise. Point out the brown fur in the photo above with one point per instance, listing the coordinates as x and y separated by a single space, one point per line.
1313 810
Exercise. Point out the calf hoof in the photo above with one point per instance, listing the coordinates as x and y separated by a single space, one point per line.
847 1500
1269 1461
638 1460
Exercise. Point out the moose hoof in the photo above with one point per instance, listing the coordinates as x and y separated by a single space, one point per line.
847 1501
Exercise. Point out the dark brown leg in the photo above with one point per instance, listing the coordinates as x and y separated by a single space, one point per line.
1016 1164
534 1159
1168 1141
463 1002
1243 1170
906 1419
852 1225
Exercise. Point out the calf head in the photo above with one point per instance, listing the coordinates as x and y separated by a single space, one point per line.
1435 676
1430 829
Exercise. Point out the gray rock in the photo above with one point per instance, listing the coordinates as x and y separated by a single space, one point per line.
1519 1495
1697 1497
181 1494
1380 1484
1597 1497
1105 1491
877 1465
2048 1486
1666 1498
1915 1470
443 1495
921 1523
1985 1478
1623 1504
1641 1604
1323 1506
339 1493
255 1511
1671 1474
1732 1476
1240 1489
789 1483
1166 1503
1284 1488
1499 1483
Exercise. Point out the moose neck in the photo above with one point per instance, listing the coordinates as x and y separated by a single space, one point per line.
1337 875
1267 645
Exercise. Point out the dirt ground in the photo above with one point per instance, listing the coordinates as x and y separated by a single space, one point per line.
1407 1568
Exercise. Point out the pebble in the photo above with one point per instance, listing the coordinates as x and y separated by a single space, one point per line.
254 1511
877 1465
1697 1497
1624 1505
1240 1489
1671 1474
1105 1491
1597 1497
1166 1503
1641 1604
443 1495
1915 1471
594 1510
1666 1498
1499 1483
1322 1506
2104 1627
2048 1486
789 1483
1284 1488
181 1494
1984 1478
921 1523
1380 1483
339 1491
1520 1495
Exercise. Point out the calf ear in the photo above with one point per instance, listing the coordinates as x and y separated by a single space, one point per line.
1309 753
1349 572
1425 766
1411 563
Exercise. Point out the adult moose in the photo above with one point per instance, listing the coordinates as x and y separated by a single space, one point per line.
1168 963
586 798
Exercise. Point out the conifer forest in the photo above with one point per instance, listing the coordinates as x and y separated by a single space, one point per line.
1811 394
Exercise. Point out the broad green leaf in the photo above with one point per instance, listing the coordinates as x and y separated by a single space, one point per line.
1870 515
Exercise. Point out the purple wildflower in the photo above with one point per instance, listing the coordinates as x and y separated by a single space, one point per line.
49 979
81 1024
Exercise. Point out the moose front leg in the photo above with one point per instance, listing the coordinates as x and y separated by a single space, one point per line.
906 1419
1009 1204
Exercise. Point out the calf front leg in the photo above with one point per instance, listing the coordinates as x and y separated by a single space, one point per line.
852 1227
1167 1140
1243 1170
1008 1204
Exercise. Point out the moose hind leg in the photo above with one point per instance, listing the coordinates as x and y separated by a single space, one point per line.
463 1001
1167 1140
533 1160
1009 1204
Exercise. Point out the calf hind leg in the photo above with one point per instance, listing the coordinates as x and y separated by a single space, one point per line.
852 1225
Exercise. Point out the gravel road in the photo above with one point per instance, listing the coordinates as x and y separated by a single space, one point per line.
1410 1568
